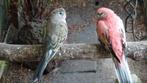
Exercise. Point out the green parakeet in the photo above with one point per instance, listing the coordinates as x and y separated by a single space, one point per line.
56 34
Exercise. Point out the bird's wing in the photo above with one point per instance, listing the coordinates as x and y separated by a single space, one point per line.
104 37
57 36
102 32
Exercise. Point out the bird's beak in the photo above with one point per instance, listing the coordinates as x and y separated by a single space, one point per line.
99 15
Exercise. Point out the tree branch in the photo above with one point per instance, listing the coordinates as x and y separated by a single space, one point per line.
20 53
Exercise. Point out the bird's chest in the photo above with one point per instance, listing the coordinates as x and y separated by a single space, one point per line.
56 33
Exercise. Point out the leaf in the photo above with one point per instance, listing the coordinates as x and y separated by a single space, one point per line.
3 67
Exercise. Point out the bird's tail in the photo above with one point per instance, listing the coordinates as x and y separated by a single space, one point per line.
122 71
42 65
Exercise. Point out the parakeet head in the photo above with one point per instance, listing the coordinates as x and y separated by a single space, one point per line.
58 14
103 13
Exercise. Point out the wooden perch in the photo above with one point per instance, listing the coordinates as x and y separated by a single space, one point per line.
19 53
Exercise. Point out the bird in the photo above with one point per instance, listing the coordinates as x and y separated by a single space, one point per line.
56 34
111 34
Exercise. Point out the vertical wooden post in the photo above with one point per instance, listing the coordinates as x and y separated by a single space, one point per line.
4 4
144 2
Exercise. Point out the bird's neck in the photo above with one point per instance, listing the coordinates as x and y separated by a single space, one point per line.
58 20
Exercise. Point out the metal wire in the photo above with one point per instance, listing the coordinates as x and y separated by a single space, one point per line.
131 9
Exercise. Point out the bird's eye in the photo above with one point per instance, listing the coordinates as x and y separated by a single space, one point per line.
100 14
60 13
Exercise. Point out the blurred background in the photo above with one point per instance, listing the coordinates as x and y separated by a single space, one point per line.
81 25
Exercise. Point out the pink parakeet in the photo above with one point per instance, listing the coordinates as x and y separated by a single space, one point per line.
111 34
